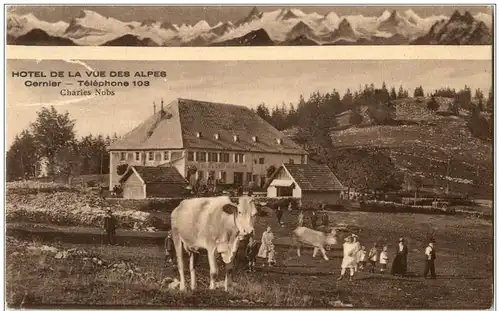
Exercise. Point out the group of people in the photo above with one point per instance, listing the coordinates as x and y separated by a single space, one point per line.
355 258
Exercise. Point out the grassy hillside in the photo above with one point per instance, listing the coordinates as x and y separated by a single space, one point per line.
421 142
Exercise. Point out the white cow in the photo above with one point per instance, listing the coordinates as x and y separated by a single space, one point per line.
214 224
317 239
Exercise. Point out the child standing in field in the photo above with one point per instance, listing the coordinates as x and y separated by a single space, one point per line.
362 258
384 258
252 251
372 257
169 249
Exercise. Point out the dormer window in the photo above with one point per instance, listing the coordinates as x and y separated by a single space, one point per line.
255 139
217 136
279 141
198 134
236 138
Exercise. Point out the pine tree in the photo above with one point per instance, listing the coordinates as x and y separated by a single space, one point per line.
393 94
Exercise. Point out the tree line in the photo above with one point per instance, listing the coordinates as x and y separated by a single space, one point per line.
51 140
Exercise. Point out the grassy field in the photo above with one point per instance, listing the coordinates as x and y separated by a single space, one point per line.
464 267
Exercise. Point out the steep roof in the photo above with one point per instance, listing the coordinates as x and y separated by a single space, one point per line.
313 177
156 175
186 117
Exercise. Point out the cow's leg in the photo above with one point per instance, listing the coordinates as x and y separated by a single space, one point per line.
315 252
324 253
180 260
298 250
192 270
213 267
227 279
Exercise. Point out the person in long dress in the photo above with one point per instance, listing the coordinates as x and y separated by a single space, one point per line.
266 249
349 259
399 265
357 249
300 219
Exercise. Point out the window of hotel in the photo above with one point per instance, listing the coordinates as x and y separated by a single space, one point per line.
262 181
238 158
151 156
190 156
137 156
122 156
212 157
290 161
261 160
255 161
249 177
166 156
255 179
201 156
303 159
211 177
223 176
224 157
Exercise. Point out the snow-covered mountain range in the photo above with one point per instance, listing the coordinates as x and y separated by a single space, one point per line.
278 27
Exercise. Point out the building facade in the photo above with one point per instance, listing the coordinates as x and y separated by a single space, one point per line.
222 143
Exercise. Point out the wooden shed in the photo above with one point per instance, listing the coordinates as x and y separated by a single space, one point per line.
312 183
141 182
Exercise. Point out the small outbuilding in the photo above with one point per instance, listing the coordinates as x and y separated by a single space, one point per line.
312 183
141 182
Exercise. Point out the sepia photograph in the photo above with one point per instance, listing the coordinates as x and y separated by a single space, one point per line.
216 25
248 184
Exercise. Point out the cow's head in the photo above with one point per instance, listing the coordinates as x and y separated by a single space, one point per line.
244 214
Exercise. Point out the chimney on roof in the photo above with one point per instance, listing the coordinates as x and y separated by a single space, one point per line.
217 136
279 141
154 108
198 134
255 139
162 112
236 137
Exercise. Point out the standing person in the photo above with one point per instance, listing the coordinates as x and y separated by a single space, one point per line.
300 219
373 257
400 261
430 257
279 214
348 261
384 259
169 249
267 246
314 220
324 220
357 249
362 258
110 225
252 251
290 206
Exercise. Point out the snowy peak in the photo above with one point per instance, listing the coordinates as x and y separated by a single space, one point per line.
300 29
458 30
254 14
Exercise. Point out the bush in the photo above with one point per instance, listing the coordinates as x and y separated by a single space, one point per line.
121 169
433 105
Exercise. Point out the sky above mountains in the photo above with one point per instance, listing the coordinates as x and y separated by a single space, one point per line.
247 83
214 14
